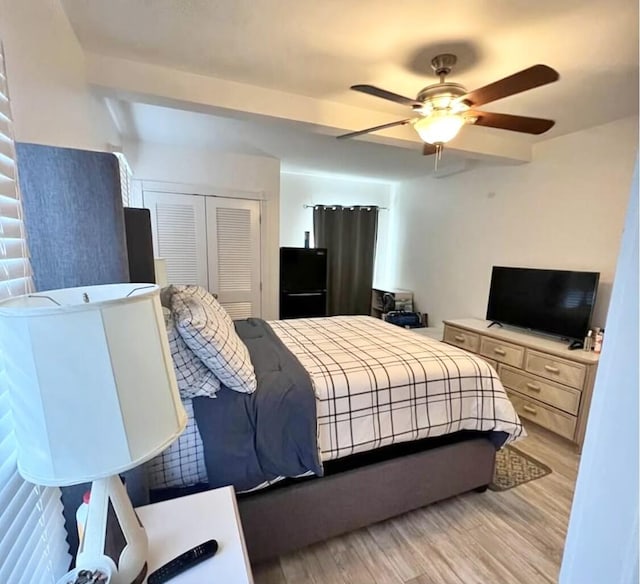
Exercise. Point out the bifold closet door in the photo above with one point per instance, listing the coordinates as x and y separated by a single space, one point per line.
179 230
233 235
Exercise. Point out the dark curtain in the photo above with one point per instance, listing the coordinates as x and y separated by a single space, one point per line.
349 234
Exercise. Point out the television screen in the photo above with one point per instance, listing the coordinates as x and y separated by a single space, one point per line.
557 302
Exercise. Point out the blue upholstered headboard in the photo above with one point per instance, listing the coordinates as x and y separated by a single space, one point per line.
74 216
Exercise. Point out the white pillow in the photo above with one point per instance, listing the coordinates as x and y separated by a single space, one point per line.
193 376
213 338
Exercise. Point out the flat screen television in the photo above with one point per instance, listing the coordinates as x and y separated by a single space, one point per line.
557 302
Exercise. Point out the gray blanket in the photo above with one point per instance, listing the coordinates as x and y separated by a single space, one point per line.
252 438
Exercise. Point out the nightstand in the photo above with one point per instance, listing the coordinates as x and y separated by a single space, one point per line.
176 526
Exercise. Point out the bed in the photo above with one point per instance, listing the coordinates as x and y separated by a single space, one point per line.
353 421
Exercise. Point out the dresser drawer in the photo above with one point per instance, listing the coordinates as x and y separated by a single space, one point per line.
556 369
553 394
502 352
461 338
537 412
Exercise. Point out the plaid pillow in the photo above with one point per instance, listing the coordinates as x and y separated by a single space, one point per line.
182 463
193 376
198 293
210 336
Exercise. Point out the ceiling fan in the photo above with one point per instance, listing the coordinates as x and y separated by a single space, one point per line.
443 108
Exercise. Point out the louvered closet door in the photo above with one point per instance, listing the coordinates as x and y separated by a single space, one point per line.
233 232
179 227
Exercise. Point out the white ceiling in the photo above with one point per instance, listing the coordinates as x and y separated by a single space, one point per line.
318 48
299 149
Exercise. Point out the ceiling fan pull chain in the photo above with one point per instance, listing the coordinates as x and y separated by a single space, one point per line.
438 155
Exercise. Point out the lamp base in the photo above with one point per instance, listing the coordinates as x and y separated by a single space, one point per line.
114 534
142 575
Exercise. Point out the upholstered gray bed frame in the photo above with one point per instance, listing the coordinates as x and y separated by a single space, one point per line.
281 520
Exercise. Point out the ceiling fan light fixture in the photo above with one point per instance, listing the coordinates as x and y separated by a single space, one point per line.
441 109
439 127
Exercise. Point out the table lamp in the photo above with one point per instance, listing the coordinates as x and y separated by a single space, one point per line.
93 393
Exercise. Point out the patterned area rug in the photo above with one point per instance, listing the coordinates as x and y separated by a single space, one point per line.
514 468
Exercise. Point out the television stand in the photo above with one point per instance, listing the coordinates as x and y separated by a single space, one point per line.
546 382
495 322
576 345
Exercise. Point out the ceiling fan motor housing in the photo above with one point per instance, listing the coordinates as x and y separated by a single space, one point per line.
441 96
442 64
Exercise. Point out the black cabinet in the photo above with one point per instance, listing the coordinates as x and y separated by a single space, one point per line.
303 282
137 223
303 304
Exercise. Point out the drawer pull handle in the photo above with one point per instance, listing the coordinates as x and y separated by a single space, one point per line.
533 386
459 338
530 410
552 369
499 351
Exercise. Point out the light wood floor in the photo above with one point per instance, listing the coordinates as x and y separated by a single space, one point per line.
514 536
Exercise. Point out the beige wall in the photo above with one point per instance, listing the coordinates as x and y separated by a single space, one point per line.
564 210
299 189
50 98
226 174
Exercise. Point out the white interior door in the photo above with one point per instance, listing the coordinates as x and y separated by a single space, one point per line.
179 228
233 233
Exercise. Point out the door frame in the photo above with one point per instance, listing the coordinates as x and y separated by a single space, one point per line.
197 189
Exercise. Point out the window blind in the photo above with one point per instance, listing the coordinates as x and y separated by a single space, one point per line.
33 547
125 178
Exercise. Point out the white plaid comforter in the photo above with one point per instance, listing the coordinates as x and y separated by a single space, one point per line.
378 384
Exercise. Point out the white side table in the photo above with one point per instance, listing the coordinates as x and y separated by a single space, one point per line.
175 526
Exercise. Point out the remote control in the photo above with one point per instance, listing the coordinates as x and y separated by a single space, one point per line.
183 562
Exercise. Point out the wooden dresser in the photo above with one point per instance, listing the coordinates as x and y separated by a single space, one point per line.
547 383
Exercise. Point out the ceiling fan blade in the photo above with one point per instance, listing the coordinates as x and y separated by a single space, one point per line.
522 81
374 129
514 123
428 149
384 94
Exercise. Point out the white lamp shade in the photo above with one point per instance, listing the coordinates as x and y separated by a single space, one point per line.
91 384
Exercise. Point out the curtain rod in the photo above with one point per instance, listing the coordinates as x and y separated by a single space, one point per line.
346 207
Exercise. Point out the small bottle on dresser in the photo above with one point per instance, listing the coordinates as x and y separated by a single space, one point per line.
597 341
588 341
